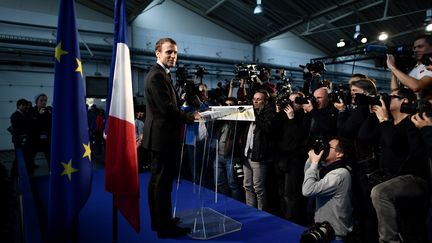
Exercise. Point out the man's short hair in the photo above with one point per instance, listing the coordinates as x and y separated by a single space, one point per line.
233 99
346 147
160 42
427 38
264 92
407 94
21 102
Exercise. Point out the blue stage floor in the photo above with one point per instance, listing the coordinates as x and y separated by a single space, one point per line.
96 217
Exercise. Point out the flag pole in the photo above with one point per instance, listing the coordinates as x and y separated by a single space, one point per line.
115 221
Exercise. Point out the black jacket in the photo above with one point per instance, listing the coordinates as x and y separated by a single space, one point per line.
262 150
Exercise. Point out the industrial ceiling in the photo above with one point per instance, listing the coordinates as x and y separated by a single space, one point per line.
319 23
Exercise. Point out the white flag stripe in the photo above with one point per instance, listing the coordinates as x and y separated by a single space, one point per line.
122 107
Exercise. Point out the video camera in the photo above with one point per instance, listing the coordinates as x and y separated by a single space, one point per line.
403 55
246 71
200 71
316 67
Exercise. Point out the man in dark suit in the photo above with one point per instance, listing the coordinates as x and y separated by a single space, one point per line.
20 129
162 135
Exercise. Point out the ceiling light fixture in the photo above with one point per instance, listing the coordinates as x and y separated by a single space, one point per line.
258 9
428 20
383 36
358 36
341 43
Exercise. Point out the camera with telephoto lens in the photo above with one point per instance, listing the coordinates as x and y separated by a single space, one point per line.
362 99
305 100
420 106
246 71
318 232
239 170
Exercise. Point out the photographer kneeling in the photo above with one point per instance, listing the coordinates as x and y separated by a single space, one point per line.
329 181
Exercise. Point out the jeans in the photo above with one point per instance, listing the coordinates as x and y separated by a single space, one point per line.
406 189
226 178
254 184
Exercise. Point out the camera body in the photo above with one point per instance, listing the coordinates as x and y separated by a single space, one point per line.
340 92
305 100
420 106
283 100
362 99
318 232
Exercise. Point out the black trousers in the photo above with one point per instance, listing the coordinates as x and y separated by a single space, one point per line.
289 174
163 172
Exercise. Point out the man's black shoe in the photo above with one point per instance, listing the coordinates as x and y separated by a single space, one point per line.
174 222
172 232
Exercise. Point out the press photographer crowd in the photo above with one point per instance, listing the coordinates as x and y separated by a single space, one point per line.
345 161
366 176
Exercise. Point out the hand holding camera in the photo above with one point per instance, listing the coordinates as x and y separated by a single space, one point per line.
421 120
381 111
315 158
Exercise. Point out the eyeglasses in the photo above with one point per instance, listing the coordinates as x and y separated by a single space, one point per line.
396 96
332 147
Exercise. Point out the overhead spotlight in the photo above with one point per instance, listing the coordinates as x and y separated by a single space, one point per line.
428 20
383 36
258 9
341 43
358 36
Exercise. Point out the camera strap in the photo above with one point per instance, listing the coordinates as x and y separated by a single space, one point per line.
336 165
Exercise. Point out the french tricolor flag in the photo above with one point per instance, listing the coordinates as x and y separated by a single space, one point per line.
121 151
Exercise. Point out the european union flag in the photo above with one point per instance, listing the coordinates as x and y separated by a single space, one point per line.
71 168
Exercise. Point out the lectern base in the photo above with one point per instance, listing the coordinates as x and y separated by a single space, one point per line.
206 223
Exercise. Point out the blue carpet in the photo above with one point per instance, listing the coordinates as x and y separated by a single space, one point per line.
96 216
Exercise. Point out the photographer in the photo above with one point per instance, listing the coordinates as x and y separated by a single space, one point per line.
229 152
292 126
196 132
350 120
328 180
41 120
419 78
403 160
20 130
323 113
258 151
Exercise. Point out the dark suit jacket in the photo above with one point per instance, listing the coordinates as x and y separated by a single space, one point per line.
162 129
20 126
